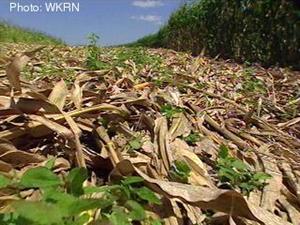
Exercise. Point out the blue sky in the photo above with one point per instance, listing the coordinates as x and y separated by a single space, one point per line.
115 21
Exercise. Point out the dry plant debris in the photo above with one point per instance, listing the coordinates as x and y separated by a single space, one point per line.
216 141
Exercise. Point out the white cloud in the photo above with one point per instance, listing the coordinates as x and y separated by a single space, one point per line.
148 18
147 3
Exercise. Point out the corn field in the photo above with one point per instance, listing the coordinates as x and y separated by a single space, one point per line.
265 31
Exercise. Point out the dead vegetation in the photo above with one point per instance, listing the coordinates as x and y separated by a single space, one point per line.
218 142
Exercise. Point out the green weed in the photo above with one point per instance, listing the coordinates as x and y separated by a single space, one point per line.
96 59
252 84
237 173
192 138
49 71
179 171
170 111
165 77
291 108
93 61
135 143
201 85
138 55
66 201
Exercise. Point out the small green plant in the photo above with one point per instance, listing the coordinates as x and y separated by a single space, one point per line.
93 54
254 85
237 173
291 109
251 83
49 71
135 143
192 138
138 55
179 171
170 111
164 77
201 85
66 201
93 39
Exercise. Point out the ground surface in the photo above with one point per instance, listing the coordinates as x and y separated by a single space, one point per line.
142 111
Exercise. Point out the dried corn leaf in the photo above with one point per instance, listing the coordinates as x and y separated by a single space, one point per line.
14 69
59 94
